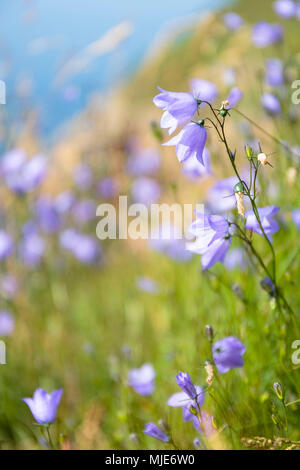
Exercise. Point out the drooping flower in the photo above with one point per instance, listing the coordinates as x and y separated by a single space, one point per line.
271 104
233 21
178 108
212 238
265 34
266 214
190 142
145 190
43 405
285 8
193 169
203 90
142 379
235 259
228 354
144 162
154 431
7 323
6 245
191 396
234 97
274 72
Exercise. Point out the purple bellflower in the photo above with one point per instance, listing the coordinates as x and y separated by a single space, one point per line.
7 323
144 162
6 245
193 169
296 218
43 405
266 215
154 431
285 8
233 21
274 72
212 238
234 97
142 379
145 190
108 188
271 104
191 395
190 142
228 354
178 108
265 34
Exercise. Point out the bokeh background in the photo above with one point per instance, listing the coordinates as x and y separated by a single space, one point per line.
80 78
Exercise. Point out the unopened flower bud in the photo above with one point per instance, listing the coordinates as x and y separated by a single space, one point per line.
239 196
197 443
278 390
249 152
209 331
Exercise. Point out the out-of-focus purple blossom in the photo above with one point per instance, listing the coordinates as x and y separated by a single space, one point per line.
6 245
145 190
265 34
271 103
32 249
212 238
233 21
84 211
203 90
83 176
296 218
171 242
43 405
228 354
178 108
190 142
144 162
22 175
48 218
220 197
205 424
12 161
142 379
285 8
274 72
64 202
146 284
235 259
266 214
193 169
8 286
108 188
7 323
235 96
154 431
268 285
83 247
